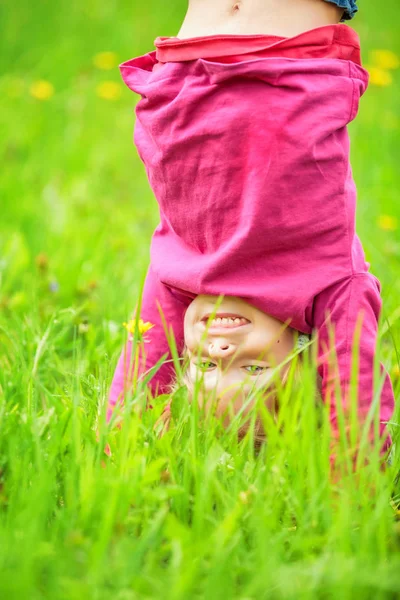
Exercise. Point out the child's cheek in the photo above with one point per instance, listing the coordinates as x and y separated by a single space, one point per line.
192 373
188 333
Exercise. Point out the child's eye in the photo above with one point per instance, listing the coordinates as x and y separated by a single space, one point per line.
255 369
205 365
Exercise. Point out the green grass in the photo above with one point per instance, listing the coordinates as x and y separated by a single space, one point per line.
193 514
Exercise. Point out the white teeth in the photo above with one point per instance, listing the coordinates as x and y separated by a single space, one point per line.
229 321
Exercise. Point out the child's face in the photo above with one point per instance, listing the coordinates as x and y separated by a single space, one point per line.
234 351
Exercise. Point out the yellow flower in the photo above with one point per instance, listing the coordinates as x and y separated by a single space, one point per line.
396 371
385 59
378 76
105 60
387 223
141 327
42 90
109 90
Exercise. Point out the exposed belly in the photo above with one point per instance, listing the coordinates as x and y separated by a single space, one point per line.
284 18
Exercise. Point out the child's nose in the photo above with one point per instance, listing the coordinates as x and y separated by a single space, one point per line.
220 348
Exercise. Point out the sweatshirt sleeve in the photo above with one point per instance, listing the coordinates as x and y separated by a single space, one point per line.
338 311
156 297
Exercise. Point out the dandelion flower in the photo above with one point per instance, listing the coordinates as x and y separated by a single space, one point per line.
109 90
385 59
378 76
388 223
42 90
105 60
141 327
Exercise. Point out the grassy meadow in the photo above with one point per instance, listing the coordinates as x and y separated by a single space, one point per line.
193 514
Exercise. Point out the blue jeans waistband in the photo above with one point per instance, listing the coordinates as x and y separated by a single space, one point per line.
349 6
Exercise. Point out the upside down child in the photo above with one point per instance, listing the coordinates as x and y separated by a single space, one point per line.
242 128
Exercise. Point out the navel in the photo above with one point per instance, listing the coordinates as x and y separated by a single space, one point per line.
236 7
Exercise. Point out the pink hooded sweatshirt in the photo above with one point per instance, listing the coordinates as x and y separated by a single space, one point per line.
245 144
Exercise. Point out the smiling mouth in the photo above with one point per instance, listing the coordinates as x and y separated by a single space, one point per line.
224 321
